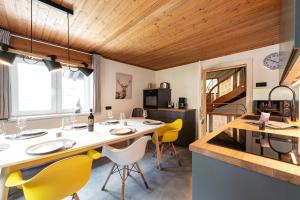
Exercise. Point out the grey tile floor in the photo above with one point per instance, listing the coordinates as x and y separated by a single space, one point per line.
173 182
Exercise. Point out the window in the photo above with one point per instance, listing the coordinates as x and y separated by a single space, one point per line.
36 91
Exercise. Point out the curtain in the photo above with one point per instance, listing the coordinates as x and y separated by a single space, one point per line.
96 59
4 80
4 92
4 37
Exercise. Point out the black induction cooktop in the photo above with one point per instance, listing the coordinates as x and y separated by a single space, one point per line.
269 145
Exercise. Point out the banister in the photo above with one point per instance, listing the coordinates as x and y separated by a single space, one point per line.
235 72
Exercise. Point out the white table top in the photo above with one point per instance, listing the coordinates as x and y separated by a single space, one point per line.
85 140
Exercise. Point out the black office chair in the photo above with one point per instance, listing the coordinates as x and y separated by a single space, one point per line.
137 112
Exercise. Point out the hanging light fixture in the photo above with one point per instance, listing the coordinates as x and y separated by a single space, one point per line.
52 64
86 70
6 58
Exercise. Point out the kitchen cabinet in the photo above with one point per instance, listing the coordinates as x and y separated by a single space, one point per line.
289 41
187 134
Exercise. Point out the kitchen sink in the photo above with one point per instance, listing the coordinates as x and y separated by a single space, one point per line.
272 118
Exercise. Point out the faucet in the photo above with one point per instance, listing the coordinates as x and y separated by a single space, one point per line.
293 103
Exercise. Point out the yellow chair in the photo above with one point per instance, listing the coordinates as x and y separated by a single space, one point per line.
57 181
169 134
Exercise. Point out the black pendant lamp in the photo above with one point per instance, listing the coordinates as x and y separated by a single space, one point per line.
85 70
52 64
6 58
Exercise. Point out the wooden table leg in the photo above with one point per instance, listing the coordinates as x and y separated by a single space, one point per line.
157 150
3 188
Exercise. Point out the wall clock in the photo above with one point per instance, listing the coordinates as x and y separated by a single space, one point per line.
272 61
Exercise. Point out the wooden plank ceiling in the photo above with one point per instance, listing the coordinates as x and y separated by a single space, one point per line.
155 34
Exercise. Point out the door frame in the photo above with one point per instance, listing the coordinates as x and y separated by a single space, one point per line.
248 63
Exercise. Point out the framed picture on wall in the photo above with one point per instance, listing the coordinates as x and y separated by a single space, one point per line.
123 86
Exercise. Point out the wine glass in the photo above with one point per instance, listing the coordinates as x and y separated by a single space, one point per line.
145 114
21 124
3 146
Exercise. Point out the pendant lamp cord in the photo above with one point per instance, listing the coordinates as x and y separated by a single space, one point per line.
31 27
31 39
69 59
68 38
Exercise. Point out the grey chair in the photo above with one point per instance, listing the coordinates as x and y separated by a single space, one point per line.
137 112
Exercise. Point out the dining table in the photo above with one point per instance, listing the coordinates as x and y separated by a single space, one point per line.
16 158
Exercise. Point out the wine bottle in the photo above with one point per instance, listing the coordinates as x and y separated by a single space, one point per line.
91 121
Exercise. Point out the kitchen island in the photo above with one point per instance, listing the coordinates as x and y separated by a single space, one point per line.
231 174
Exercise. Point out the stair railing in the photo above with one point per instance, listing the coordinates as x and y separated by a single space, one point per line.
209 98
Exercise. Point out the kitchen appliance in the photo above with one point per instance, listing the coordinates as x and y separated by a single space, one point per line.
182 103
156 98
277 108
293 102
269 145
165 85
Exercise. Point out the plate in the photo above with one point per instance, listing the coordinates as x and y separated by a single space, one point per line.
148 122
25 136
121 131
80 126
50 147
111 122
33 132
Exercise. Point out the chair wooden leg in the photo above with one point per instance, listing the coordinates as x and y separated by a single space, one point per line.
158 158
110 173
161 149
142 175
75 196
176 155
123 183
128 171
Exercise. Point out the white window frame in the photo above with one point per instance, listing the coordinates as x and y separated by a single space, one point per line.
56 101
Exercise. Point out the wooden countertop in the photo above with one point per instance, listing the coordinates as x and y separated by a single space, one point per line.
173 109
277 169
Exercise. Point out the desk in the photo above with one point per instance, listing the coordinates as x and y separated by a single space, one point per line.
15 157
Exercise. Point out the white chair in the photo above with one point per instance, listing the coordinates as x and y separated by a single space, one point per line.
123 158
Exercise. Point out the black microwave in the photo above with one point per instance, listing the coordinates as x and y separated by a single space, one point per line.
156 98
278 107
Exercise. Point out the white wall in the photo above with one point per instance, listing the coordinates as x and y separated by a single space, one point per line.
141 78
184 82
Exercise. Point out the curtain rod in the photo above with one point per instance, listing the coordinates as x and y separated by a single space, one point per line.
48 43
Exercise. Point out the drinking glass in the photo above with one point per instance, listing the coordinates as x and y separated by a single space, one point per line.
122 116
110 114
3 146
21 124
65 123
145 114
73 119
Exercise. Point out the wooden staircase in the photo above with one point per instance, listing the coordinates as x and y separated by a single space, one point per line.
237 93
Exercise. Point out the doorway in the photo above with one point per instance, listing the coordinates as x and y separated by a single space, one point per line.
224 95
